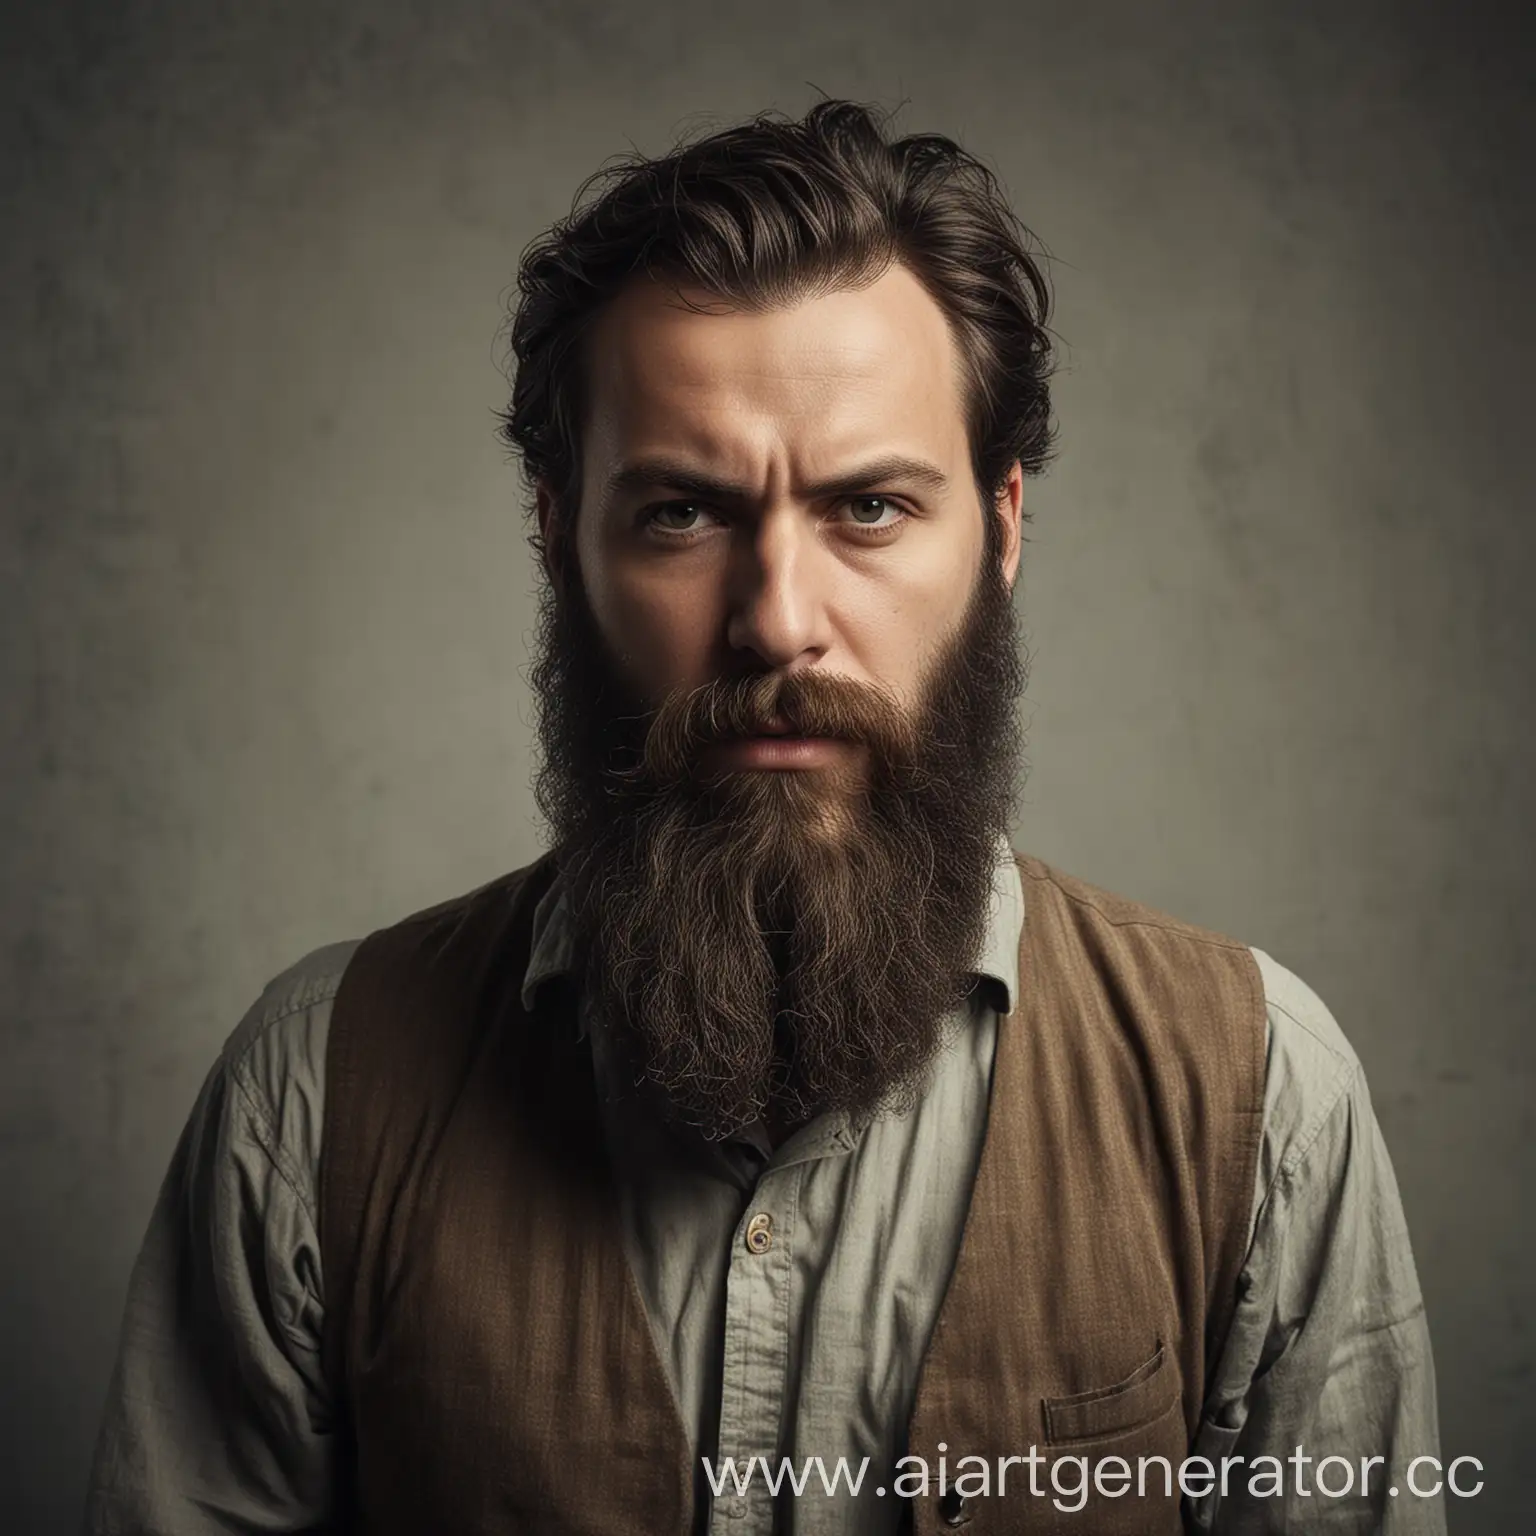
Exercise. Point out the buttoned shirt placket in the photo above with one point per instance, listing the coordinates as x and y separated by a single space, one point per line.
758 1301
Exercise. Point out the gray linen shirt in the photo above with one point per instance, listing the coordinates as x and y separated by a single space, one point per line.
219 1419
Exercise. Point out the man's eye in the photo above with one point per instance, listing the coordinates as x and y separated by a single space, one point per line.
686 514
870 511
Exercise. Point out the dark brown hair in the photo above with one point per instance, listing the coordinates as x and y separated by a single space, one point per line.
771 211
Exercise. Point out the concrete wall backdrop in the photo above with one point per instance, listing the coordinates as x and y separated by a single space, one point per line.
266 596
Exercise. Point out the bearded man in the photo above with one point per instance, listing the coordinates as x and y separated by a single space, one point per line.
781 1151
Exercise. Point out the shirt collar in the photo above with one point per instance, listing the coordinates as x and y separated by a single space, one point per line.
551 955
553 951
999 959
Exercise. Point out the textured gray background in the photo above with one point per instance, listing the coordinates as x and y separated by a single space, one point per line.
265 592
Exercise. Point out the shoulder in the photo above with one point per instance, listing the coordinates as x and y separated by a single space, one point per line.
432 954
1188 990
1309 1057
1308 1037
1312 1071
1094 905
274 1059
1170 1006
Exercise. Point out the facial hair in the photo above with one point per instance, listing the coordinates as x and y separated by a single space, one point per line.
784 942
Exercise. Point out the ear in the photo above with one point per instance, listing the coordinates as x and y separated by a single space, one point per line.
1010 508
551 534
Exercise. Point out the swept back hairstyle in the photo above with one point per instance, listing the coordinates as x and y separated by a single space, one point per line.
766 213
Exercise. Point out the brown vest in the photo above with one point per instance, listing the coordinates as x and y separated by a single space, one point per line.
489 1347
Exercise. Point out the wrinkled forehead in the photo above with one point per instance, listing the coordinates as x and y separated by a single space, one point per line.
805 384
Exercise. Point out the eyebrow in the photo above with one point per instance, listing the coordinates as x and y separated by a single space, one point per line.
655 471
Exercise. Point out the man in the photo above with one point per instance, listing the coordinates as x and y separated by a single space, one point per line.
781 1111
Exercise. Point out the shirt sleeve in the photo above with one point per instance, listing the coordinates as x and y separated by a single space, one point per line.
1327 1367
218 1417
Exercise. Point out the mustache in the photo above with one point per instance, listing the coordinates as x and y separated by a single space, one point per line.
810 703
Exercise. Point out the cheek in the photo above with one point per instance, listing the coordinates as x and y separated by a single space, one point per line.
899 630
661 639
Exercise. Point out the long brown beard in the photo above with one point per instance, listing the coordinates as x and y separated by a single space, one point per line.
779 941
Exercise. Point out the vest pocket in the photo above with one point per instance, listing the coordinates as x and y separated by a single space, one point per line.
1143 1396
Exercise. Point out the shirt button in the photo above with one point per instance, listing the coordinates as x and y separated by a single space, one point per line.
955 1508
760 1233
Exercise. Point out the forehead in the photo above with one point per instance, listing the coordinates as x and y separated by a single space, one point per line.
821 378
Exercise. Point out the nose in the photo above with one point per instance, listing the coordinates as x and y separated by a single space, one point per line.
777 602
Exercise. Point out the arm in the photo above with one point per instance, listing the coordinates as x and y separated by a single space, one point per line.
1329 1348
217 1419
